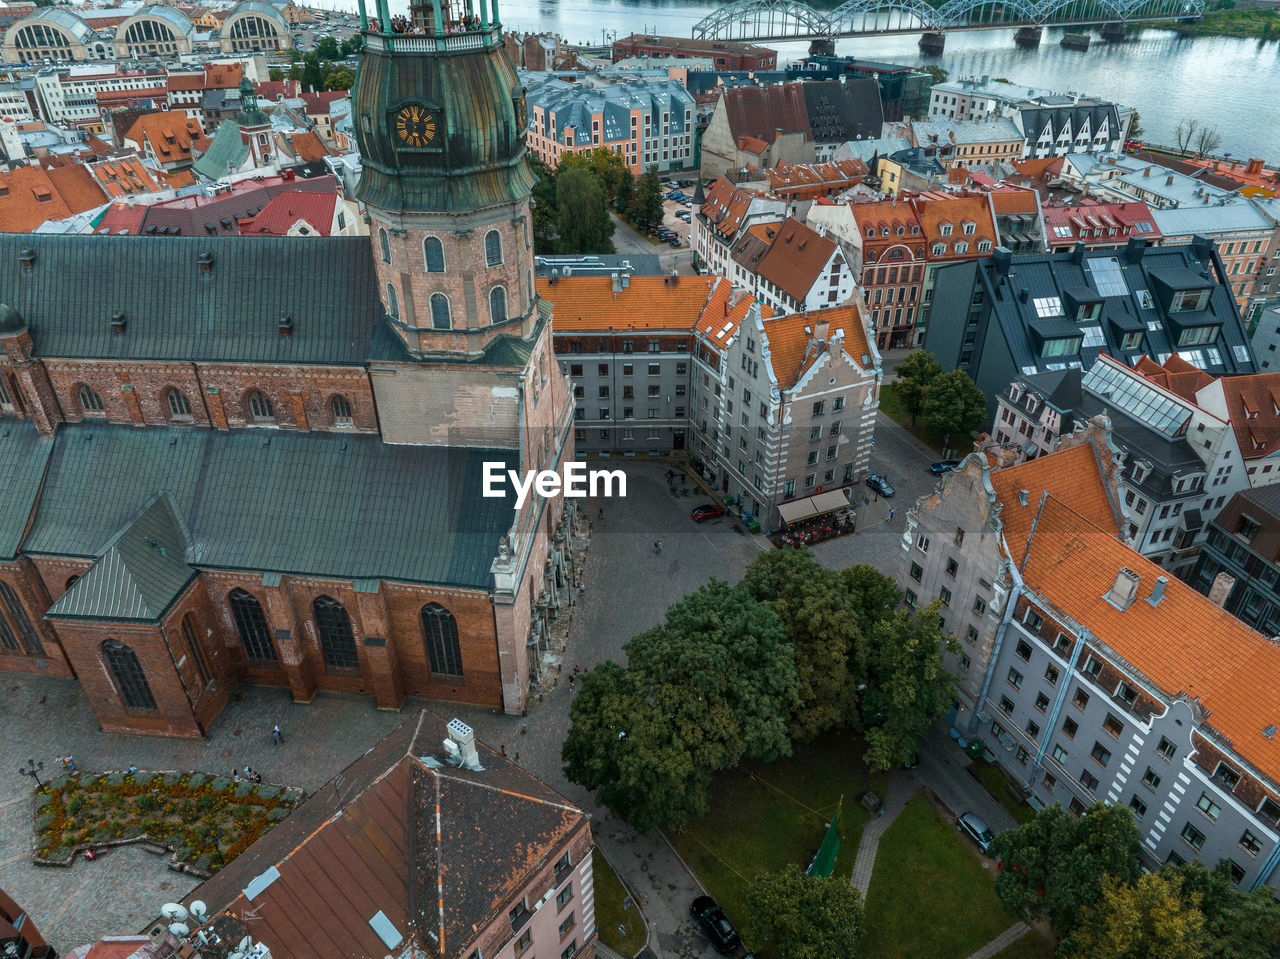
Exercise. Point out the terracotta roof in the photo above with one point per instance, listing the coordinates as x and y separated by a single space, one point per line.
726 205
77 187
726 308
286 209
275 89
440 850
1176 375
752 145
1038 169
185 81
176 179
170 134
1185 645
789 352
1085 217
796 258
222 76
110 97
28 198
1253 403
1071 475
122 218
319 103
588 303
1013 200
935 209
762 111
308 146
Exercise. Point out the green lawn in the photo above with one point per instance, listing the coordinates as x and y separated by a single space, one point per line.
779 816
609 894
930 897
997 783
892 407
1031 946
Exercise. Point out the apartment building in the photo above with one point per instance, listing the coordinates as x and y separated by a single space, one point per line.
68 96
791 268
648 121
724 216
1090 675
1034 411
1239 566
1098 225
893 265
956 228
966 143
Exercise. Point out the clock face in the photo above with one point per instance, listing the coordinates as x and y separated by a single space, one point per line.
415 125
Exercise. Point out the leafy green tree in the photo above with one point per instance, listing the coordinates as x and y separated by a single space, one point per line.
875 594
327 49
353 44
907 687
646 209
801 917
1147 920
609 167
275 73
583 224
339 80
938 74
293 55
295 73
1135 126
915 373
545 208
820 616
312 75
714 684
626 195
1053 866
953 405
1239 925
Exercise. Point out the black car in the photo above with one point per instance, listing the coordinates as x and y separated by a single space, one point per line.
943 466
880 485
714 923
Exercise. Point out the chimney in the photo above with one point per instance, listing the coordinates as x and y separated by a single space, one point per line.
1202 247
1134 249
1221 589
1077 253
461 744
1147 172
1124 590
616 283
117 323
1255 167
1157 591
27 257
1023 293
286 324
1001 260
206 262
1168 181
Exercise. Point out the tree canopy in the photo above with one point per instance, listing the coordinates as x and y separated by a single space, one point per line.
1053 866
1238 925
915 373
1149 919
583 224
907 686
953 405
802 917
646 208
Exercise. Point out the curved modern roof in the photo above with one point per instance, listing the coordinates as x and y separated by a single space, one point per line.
63 18
261 9
176 19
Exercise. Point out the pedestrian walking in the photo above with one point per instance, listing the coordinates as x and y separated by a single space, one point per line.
503 747
891 512
572 677
248 772
576 669
657 547
68 761
257 776
235 775
600 511
275 734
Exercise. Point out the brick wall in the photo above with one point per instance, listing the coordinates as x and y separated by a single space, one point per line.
24 579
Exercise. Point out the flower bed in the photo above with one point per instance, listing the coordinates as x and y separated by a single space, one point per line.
205 820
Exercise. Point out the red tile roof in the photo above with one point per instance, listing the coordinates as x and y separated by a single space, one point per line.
185 81
1185 645
77 187
317 104
789 343
936 209
1081 220
795 258
1253 403
1176 375
588 303
170 134
222 76
308 146
30 196
763 111
286 209
726 308
726 205
807 180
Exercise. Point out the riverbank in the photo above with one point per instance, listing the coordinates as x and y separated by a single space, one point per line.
1241 24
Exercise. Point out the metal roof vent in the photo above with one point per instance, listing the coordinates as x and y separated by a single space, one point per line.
461 745
1022 497
1124 590
286 324
27 257
1157 591
1269 732
206 262
117 323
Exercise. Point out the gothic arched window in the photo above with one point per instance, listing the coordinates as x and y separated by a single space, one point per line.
393 302
260 409
433 253
20 619
385 244
497 305
440 631
493 248
126 671
337 642
341 407
90 402
440 319
179 408
251 626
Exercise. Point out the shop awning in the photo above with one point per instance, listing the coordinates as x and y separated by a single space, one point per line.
812 506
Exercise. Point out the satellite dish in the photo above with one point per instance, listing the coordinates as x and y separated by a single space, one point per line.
198 910
174 911
179 929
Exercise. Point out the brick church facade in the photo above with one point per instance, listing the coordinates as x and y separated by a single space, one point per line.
261 461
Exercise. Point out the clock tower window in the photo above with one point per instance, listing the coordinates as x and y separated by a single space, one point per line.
433 254
440 319
493 248
497 305
393 301
385 244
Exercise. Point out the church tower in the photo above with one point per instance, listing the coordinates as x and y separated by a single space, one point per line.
440 122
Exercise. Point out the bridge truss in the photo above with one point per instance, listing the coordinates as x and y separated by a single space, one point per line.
752 20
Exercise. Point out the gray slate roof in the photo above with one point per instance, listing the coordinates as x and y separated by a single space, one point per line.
173 311
367 510
24 454
141 572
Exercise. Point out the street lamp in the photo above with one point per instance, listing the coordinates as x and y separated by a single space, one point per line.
33 770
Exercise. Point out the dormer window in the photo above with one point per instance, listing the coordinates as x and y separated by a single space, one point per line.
970 228
885 231
1185 301
944 230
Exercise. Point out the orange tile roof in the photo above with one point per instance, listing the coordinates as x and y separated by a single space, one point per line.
1186 644
789 343
77 187
1253 404
935 209
726 308
185 81
752 145
726 206
160 128
588 303
1176 375
176 179
793 176
287 208
1071 475
308 146
222 76
29 198
796 258
1013 200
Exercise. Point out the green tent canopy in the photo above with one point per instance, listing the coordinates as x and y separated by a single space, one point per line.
825 861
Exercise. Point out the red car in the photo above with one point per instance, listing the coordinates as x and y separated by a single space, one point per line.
706 511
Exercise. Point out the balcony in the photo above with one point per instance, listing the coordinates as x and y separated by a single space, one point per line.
449 43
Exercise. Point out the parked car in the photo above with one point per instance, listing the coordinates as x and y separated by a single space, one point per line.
943 466
976 829
717 927
706 511
880 485
684 215
675 241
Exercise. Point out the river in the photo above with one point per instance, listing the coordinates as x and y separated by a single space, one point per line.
1230 84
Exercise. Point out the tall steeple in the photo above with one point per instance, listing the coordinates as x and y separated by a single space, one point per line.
440 123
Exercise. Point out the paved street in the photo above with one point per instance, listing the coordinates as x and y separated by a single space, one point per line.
627 240
628 588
